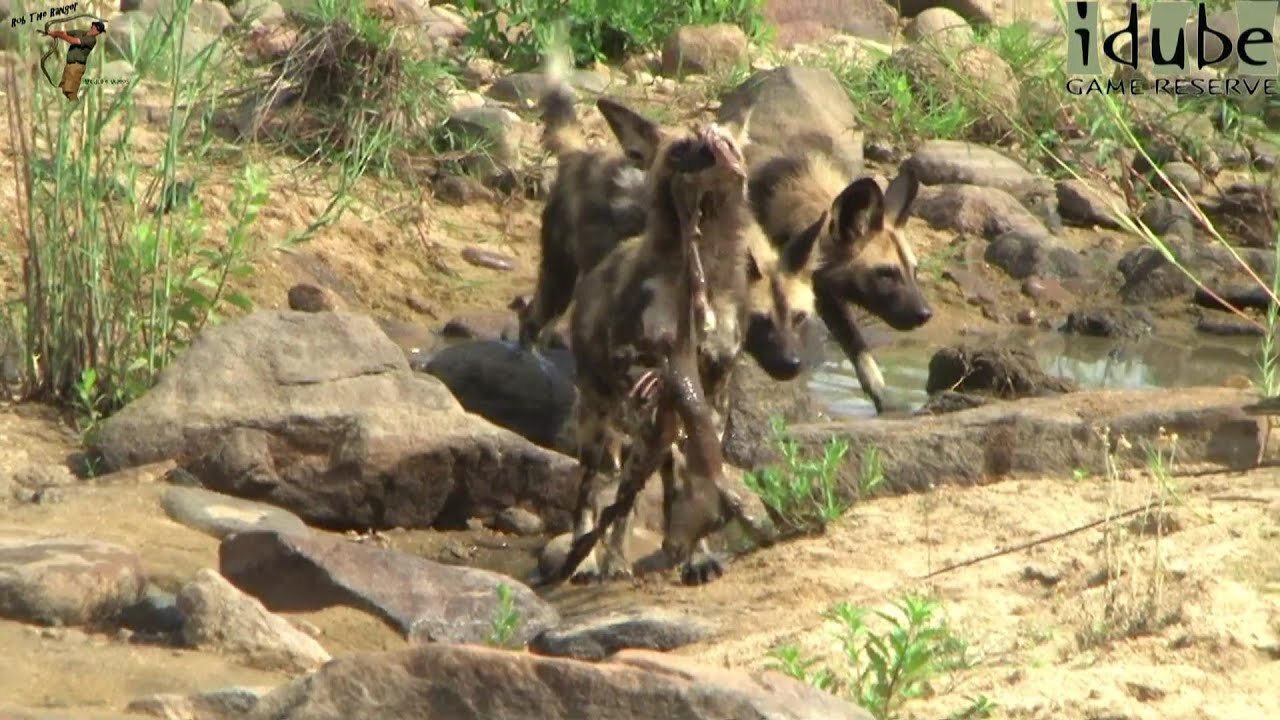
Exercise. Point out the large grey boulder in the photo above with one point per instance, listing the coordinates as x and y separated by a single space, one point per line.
796 107
321 414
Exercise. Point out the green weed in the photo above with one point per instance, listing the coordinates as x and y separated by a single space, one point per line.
802 493
887 657
88 398
516 32
505 621
884 97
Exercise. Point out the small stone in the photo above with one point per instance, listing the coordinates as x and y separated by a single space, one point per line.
1047 291
220 515
1156 523
526 88
485 142
1047 576
156 614
952 162
305 297
43 475
480 70
1183 176
65 580
457 190
487 259
1022 255
519 521
704 49
418 305
1120 322
221 617
1026 316
480 324
940 26
1144 693
972 210
1085 205
227 704
595 639
880 151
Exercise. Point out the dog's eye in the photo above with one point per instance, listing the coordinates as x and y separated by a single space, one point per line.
635 156
888 273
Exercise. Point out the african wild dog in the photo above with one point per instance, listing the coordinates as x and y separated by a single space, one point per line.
863 257
622 317
600 198
781 303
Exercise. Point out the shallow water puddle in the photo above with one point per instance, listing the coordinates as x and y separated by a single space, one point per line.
1093 363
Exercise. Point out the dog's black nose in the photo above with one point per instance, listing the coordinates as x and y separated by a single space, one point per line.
923 315
787 367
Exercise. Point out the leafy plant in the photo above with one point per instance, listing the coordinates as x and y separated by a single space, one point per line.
506 619
802 493
884 668
87 400
883 94
516 32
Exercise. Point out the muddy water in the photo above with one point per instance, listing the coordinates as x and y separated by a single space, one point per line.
1093 363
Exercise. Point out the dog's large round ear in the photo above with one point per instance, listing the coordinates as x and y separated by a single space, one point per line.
859 210
899 197
638 135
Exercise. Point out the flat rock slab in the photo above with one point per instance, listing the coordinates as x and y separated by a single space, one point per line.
794 104
426 601
1050 437
599 637
945 162
319 413
13 712
225 704
66 580
464 682
220 515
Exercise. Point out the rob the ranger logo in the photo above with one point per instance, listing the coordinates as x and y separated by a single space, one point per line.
1245 49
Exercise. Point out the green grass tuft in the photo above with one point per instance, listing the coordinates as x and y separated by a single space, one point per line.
516 32
803 494
887 658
